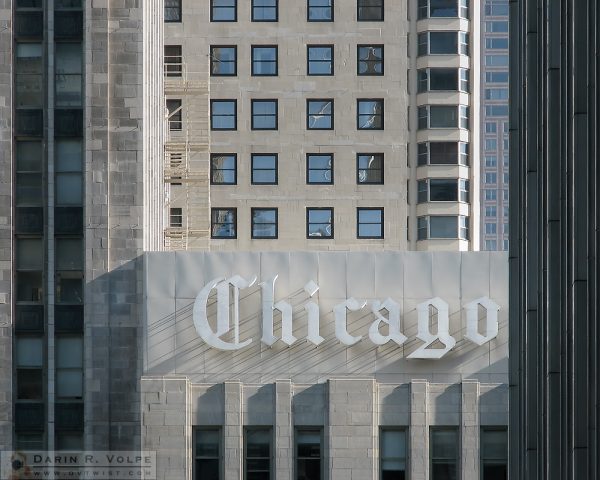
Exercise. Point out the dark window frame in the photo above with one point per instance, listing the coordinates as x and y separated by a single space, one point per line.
308 223
252 114
177 214
455 429
258 209
359 223
223 100
495 461
235 14
179 12
173 68
212 223
175 120
381 115
308 169
196 457
332 115
253 73
213 59
332 9
358 169
309 429
382 458
252 169
331 62
212 169
358 7
253 18
358 60
267 428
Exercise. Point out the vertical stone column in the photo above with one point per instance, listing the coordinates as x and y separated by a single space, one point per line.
233 434
469 433
419 430
284 431
166 425
351 429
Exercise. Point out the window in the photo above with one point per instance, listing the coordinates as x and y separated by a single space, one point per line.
505 211
392 451
491 229
370 114
496 60
491 178
173 61
443 8
223 223
172 11
370 59
369 223
319 59
223 10
370 10
264 60
29 361
491 211
496 93
490 194
319 168
319 223
175 117
223 168
264 114
223 60
496 77
258 453
264 10
505 178
491 127
175 217
491 245
491 144
443 116
28 75
319 114
496 43
442 227
69 183
496 10
320 11
443 79
444 450
308 454
443 43
223 114
369 168
505 244
496 27
68 75
491 161
69 367
443 153
264 168
264 222
443 190
207 453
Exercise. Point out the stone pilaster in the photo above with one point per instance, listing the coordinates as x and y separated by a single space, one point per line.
284 431
233 434
419 430
470 430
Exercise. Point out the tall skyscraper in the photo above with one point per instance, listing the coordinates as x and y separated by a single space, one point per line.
494 156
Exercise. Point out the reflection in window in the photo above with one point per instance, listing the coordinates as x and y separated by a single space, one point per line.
264 223
69 184
370 10
28 75
223 60
320 10
443 153
223 10
223 223
174 115
320 59
319 114
257 453
319 222
207 454
444 450
370 114
443 43
264 10
369 168
68 78
319 168
223 168
308 454
264 60
392 448
370 59
443 8
69 367
442 227
172 11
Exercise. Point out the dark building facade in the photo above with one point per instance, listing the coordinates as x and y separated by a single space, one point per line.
554 353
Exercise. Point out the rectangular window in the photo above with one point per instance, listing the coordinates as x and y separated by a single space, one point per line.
369 168
443 116
175 117
319 59
172 11
392 451
223 10
491 229
491 161
443 153
223 223
496 60
491 144
437 190
443 43
491 245
370 10
319 168
264 60
68 174
496 77
443 227
264 222
491 127
319 223
491 211
223 168
264 168
496 93
496 10
370 59
223 114
29 190
319 114
497 27
443 8
223 60
369 223
320 10
444 446
496 43
443 79
175 217
28 75
68 75
308 454
369 114
69 367
258 453
490 194
207 453
491 178
264 114
173 61
264 10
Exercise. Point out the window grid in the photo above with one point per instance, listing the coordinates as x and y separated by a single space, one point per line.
265 10
370 114
172 11
319 10
207 452
264 223
223 115
369 168
267 66
441 8
264 114
319 60
223 10
370 10
176 217
443 153
223 223
319 168
319 114
444 457
258 451
319 223
223 168
264 168
309 452
369 222
393 453
370 60
223 60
